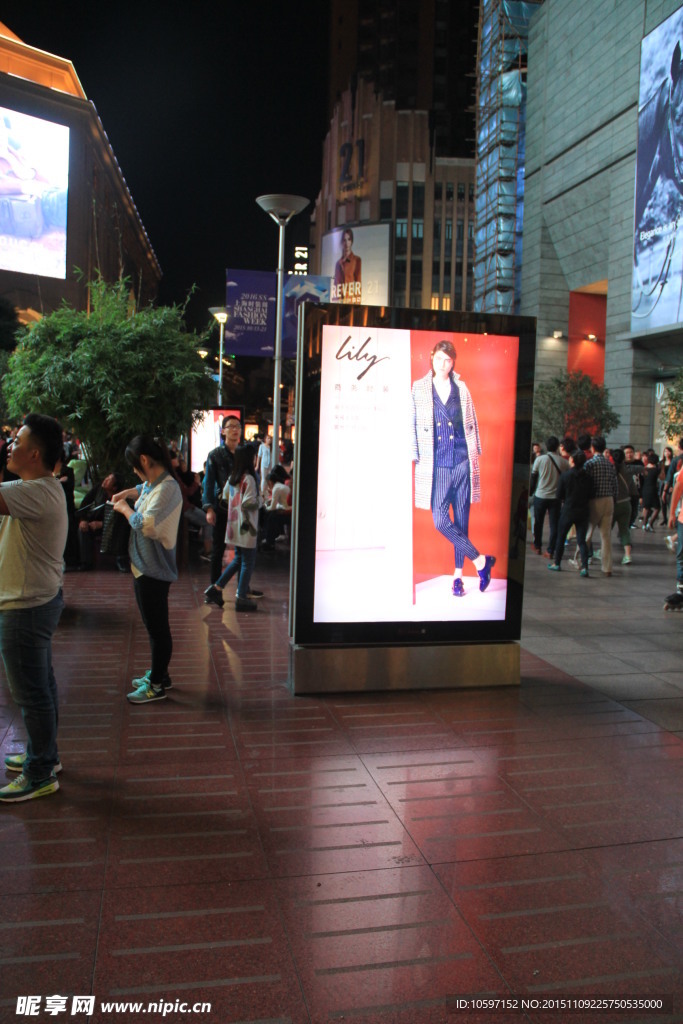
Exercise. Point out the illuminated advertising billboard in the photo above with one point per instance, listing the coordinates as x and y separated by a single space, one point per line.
357 260
34 177
251 301
408 428
657 283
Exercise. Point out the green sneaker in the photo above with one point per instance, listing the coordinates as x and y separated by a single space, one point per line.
25 789
16 762
143 680
146 694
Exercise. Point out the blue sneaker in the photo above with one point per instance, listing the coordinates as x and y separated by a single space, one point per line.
554 567
24 788
16 762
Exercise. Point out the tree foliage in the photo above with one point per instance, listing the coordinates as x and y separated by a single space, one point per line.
572 404
110 374
672 408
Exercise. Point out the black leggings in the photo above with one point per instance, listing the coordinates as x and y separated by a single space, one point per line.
152 598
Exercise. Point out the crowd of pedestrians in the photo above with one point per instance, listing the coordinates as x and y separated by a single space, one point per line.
584 489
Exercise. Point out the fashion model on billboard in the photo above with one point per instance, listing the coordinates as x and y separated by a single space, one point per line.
446 450
347 272
657 267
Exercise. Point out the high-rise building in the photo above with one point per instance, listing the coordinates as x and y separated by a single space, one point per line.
417 53
397 165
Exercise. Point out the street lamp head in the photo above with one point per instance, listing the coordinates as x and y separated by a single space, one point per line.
282 207
220 313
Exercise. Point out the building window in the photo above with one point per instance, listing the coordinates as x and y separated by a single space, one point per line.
449 229
438 191
385 209
402 193
446 302
471 190
418 199
435 302
401 228
461 190
449 191
418 228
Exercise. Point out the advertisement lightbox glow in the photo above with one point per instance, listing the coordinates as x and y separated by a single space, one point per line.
657 282
373 563
206 434
357 261
34 177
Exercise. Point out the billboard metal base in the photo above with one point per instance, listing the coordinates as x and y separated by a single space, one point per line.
364 669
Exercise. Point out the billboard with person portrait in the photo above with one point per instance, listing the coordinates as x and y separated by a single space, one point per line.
34 179
657 281
409 424
357 261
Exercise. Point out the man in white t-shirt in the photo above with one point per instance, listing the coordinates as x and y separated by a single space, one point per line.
33 529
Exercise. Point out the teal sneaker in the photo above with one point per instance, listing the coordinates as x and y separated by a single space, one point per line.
16 762
144 679
146 694
25 789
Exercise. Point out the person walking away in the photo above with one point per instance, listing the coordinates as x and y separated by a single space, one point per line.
33 532
604 478
546 475
575 491
674 601
622 508
241 533
152 549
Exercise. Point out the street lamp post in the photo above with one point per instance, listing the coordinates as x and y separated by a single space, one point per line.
221 314
281 208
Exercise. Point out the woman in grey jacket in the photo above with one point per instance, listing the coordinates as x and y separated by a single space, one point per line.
446 450
153 534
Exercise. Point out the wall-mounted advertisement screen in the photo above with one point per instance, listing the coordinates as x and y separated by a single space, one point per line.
657 284
206 434
358 259
34 178
408 428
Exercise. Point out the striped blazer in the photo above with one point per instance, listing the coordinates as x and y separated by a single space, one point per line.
423 438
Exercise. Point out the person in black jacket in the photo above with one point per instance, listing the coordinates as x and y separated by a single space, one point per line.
575 490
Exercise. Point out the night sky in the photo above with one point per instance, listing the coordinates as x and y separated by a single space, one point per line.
206 106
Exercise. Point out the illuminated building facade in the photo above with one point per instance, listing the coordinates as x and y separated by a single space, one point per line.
59 215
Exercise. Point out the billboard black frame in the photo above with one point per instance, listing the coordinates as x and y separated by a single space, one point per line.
304 630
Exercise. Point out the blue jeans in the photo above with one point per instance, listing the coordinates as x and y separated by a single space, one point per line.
243 563
26 649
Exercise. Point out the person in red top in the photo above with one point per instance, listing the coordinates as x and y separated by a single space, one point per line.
347 272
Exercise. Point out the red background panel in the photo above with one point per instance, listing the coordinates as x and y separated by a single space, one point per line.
487 364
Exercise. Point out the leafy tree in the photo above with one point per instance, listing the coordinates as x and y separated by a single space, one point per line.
572 404
110 374
672 408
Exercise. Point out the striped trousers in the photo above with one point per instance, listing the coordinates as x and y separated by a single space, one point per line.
451 489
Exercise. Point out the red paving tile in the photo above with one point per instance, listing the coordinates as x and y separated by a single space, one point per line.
370 858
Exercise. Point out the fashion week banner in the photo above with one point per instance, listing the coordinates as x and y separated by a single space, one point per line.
415 483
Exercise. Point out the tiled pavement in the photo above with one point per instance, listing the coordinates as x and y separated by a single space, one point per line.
363 858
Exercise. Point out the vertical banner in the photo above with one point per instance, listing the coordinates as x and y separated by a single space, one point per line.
250 301
300 288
